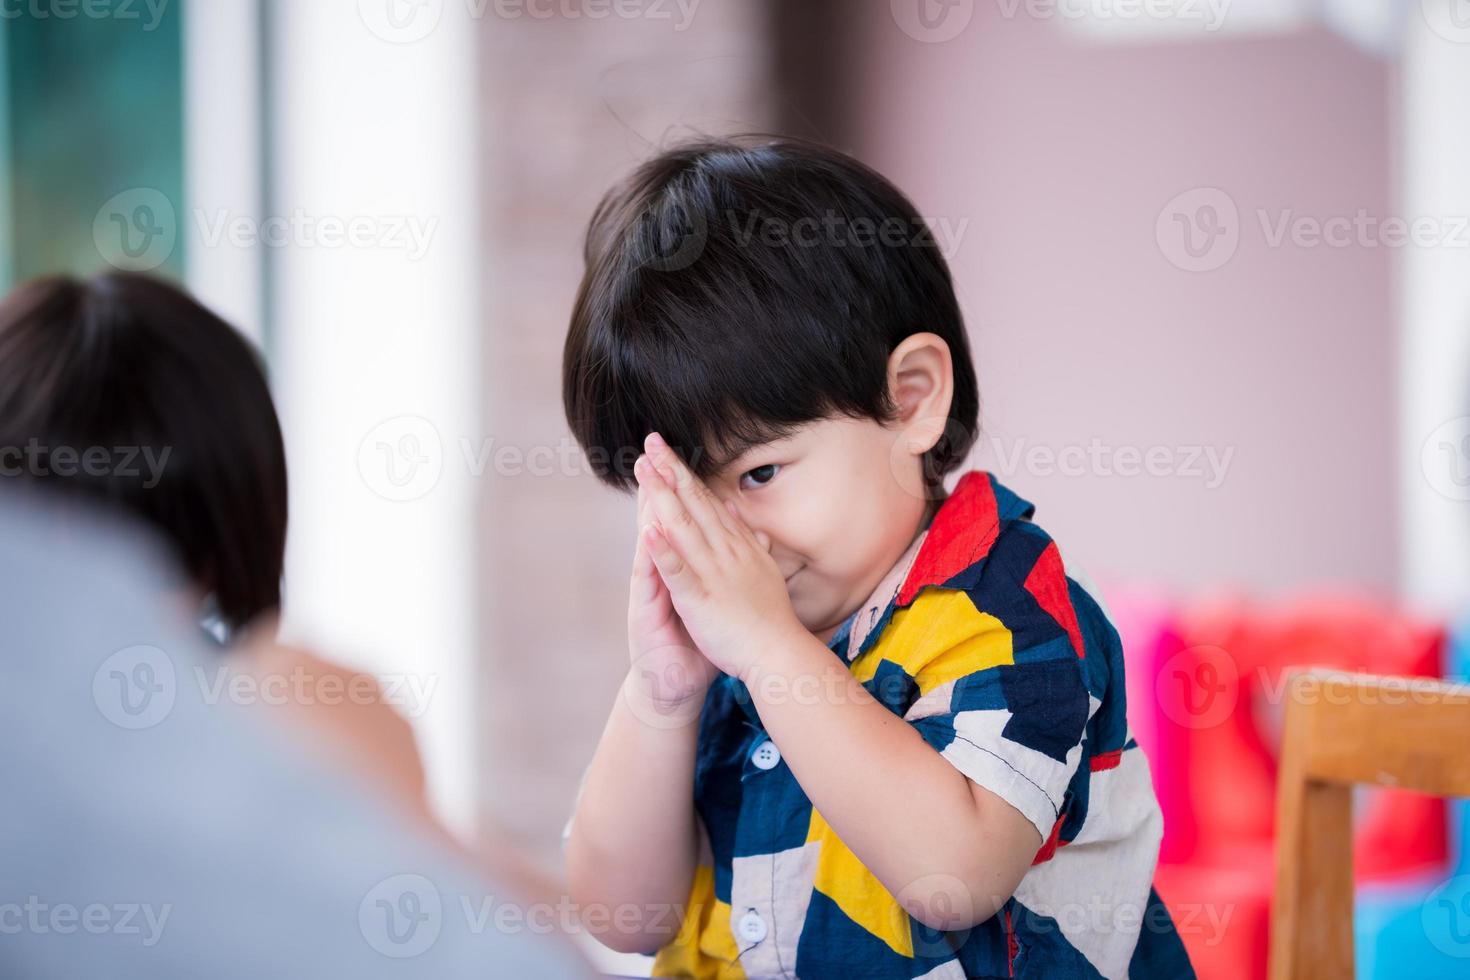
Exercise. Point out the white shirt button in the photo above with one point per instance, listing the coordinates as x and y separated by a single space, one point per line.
752 927
766 755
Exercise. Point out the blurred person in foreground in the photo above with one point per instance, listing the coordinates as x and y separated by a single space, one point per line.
151 834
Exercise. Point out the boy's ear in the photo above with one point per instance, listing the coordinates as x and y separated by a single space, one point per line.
921 383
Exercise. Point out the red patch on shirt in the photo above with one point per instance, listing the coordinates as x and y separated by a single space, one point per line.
1047 583
961 533
1053 841
1011 948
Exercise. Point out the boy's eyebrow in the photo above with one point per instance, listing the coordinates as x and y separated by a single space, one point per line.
720 461
741 445
733 451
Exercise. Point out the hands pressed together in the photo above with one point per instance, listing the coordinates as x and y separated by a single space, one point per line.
706 595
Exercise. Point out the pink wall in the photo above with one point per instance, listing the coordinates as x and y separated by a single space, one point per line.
1061 156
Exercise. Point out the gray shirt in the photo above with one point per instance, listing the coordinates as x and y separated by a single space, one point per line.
148 832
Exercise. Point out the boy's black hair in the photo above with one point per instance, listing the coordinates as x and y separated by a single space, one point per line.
738 288
124 365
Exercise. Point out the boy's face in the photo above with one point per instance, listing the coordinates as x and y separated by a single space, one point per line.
837 503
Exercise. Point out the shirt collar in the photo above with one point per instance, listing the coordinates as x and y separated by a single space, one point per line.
855 631
962 532
951 552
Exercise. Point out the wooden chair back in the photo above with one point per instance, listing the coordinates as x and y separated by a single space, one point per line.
1342 729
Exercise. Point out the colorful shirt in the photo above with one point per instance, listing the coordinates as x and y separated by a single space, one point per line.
1010 669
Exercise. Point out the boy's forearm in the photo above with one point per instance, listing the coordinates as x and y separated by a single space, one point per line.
634 842
907 814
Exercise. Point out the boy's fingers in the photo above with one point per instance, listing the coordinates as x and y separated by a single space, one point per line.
681 531
642 504
741 529
702 504
737 523
670 564
643 584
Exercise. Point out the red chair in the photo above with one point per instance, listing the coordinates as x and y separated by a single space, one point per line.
1220 702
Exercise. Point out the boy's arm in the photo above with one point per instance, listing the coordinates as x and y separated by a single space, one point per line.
634 839
949 850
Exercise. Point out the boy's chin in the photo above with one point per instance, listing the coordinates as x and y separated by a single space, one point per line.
817 625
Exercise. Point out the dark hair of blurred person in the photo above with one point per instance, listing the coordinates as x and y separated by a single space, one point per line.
123 389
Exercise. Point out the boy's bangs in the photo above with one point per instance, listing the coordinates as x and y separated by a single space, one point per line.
701 407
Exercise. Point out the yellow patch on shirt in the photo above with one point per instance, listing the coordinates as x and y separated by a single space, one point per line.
937 638
705 947
856 890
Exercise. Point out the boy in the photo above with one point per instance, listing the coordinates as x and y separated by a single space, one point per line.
869 729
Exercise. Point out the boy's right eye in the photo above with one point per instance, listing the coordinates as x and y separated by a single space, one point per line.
761 475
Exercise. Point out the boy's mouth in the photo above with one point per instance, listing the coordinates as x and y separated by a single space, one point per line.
793 575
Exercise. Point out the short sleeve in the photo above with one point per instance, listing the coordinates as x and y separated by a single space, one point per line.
1002 693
